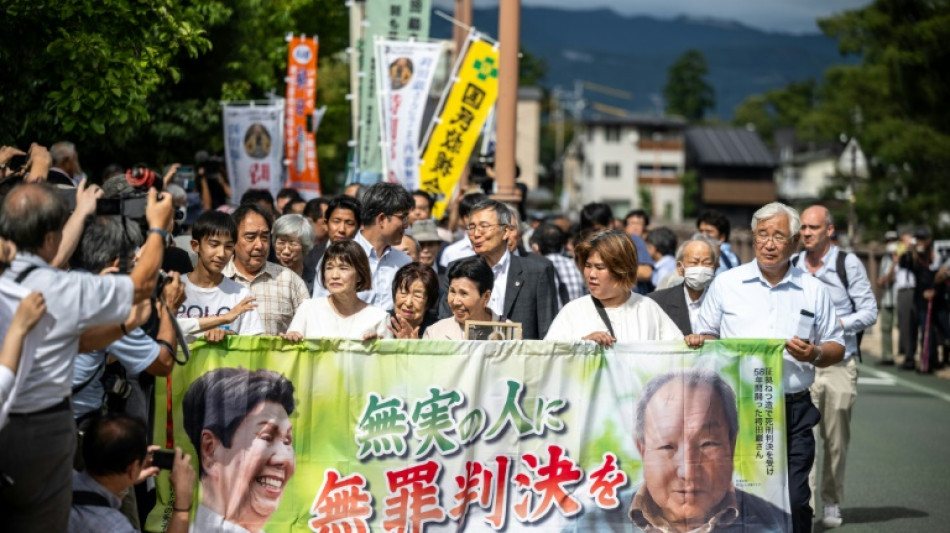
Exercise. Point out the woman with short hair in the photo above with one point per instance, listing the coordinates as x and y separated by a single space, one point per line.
344 272
415 295
611 312
293 238
470 285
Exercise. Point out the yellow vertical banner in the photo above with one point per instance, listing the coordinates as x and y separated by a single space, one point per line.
466 108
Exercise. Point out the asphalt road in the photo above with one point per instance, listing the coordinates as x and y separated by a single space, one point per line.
898 472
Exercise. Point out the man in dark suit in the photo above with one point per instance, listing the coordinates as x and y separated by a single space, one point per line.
525 290
696 262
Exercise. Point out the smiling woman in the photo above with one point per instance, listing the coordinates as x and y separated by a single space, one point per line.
239 422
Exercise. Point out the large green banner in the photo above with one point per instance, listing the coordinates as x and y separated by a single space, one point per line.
336 436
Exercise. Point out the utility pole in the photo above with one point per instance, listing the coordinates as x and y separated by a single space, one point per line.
509 22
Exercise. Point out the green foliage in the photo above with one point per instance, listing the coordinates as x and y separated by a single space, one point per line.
82 67
894 102
691 193
532 69
687 92
143 81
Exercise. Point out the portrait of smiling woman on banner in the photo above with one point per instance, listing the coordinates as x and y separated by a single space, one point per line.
239 422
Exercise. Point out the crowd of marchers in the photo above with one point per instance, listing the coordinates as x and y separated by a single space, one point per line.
107 298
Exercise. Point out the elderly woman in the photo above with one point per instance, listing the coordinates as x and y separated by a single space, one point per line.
470 285
611 313
344 272
293 238
415 295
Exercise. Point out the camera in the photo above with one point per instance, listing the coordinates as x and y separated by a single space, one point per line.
480 169
131 205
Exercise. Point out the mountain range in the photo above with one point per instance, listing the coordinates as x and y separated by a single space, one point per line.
633 53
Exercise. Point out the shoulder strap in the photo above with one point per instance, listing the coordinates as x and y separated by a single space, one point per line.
92 377
603 315
85 497
26 272
843 276
725 259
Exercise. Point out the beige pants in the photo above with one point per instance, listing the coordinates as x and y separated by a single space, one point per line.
833 393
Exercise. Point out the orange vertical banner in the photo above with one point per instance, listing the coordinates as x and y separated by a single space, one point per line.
299 138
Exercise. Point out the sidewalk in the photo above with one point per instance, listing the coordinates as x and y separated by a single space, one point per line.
871 352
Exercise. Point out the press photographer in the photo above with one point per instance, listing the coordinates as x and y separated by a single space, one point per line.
37 444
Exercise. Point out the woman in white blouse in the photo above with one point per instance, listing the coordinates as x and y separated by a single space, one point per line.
608 260
344 272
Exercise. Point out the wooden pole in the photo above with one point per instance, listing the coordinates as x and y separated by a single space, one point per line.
509 22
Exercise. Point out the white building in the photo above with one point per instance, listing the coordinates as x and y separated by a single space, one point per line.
633 162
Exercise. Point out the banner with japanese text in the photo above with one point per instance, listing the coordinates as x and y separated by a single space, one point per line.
389 19
301 142
254 146
466 107
406 70
413 436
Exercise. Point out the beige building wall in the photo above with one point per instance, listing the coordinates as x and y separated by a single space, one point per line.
528 135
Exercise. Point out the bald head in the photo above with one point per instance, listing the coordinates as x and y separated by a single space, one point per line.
817 228
30 213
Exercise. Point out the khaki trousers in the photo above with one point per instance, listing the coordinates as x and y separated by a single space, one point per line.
834 392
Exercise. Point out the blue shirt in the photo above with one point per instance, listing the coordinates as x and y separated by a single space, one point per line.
135 352
95 518
741 304
727 259
864 313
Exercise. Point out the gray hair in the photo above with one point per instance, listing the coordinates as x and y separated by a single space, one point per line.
502 211
692 378
104 239
296 227
62 152
178 194
699 237
775 209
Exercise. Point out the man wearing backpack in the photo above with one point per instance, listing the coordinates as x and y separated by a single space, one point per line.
835 388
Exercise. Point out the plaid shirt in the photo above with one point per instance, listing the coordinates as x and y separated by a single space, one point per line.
567 276
279 292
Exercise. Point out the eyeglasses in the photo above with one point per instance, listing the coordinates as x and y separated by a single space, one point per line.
404 216
293 245
482 228
778 239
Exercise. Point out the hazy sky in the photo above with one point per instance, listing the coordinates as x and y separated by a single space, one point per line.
793 16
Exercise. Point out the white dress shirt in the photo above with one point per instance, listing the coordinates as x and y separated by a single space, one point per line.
693 307
741 304
457 250
864 313
500 272
76 301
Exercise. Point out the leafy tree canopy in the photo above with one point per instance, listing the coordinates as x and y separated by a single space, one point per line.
687 92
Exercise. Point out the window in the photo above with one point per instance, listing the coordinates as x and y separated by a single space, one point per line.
611 170
612 134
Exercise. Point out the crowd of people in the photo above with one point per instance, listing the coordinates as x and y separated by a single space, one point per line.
106 301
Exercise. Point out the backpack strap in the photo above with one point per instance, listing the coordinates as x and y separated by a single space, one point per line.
26 272
89 498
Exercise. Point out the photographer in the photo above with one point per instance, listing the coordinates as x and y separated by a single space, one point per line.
117 456
105 241
37 444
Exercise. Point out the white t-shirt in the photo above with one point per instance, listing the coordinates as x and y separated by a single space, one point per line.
316 318
203 302
638 319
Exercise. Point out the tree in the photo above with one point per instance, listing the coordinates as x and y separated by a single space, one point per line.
81 67
687 92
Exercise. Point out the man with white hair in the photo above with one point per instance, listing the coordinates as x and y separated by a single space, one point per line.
770 298
696 263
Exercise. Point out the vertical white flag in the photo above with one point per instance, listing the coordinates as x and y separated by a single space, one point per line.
405 72
254 146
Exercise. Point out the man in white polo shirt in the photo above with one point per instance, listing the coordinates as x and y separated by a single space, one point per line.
770 298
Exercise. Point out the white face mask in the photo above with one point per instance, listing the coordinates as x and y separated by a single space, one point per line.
698 278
